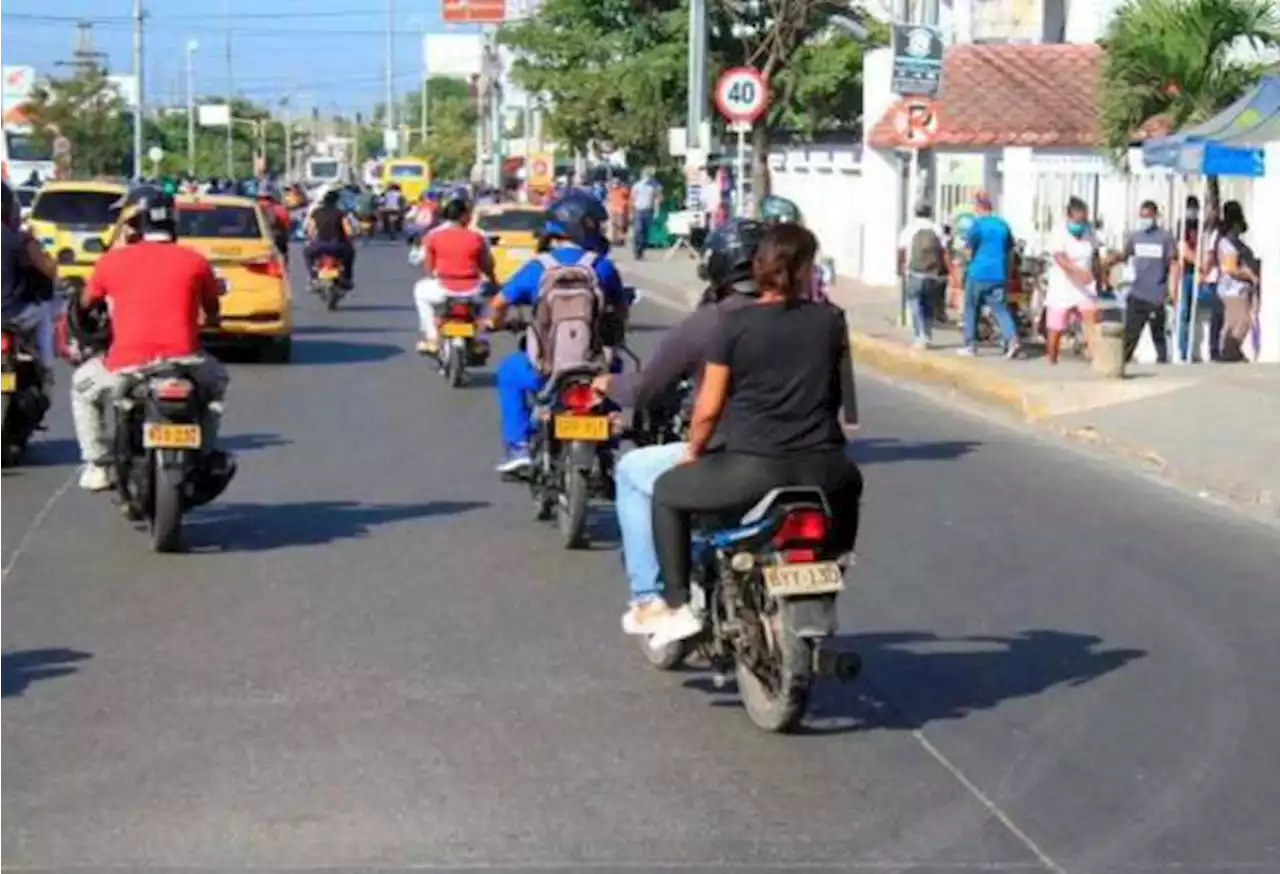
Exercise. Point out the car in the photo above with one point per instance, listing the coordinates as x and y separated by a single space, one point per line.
512 230
234 234
72 221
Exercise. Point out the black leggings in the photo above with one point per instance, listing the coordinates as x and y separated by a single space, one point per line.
726 481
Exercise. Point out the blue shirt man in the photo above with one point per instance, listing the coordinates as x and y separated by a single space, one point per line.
990 244
517 378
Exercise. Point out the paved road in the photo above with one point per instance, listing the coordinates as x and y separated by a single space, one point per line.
375 659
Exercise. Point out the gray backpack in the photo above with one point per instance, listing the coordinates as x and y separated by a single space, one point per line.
563 333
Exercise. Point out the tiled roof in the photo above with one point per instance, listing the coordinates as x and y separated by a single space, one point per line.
1012 95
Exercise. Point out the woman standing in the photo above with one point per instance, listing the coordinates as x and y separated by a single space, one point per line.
1074 269
1237 281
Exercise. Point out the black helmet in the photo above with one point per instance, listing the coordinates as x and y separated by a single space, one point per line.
149 209
728 254
779 210
580 217
456 205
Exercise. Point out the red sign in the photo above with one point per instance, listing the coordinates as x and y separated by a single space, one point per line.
742 94
474 11
916 121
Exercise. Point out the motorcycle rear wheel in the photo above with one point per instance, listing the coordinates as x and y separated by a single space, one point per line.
166 510
778 703
571 509
455 368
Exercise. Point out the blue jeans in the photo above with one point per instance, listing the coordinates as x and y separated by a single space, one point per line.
923 294
517 382
644 221
638 470
978 294
1207 301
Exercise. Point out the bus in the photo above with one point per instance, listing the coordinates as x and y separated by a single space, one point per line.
23 156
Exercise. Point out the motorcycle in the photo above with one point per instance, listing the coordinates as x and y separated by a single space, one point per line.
25 398
161 469
327 281
460 346
767 585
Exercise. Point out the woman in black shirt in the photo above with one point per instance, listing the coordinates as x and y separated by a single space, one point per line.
767 415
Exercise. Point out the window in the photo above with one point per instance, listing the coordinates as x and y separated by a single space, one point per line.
324 169
524 220
87 209
22 147
221 222
407 171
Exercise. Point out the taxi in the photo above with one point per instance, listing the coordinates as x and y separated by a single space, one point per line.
413 175
512 230
72 221
235 235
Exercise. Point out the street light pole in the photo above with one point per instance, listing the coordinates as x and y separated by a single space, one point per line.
231 165
138 83
192 45
390 74
696 113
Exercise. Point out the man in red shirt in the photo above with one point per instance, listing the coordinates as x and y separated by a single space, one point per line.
156 292
456 261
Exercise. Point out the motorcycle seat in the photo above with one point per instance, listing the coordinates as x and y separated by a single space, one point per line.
724 528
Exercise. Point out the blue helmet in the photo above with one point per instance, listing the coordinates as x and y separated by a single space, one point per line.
578 216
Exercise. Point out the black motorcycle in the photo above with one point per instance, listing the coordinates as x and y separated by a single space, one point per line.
460 344
25 397
766 583
161 469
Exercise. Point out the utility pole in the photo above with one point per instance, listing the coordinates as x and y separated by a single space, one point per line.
389 96
231 90
192 45
138 84
426 78
696 113
495 112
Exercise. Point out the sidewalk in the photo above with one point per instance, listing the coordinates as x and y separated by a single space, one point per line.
1214 429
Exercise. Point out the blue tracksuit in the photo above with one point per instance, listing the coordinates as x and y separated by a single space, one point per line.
517 378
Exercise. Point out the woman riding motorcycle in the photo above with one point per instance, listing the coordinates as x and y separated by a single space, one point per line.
456 262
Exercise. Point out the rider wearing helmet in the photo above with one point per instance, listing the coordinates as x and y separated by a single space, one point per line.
572 228
456 261
157 291
726 267
329 232
27 276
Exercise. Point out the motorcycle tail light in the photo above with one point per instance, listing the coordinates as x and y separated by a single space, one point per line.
6 341
459 311
579 397
801 528
266 267
171 389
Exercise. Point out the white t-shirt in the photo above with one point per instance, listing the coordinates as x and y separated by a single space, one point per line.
1228 285
1063 292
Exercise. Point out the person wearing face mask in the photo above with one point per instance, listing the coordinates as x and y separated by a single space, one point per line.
1152 253
1074 269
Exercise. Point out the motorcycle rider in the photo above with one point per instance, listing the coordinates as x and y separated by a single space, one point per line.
156 291
329 232
455 260
28 278
726 266
573 227
775 210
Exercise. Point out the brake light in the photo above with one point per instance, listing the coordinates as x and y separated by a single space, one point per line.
266 267
5 342
802 527
579 397
459 311
171 389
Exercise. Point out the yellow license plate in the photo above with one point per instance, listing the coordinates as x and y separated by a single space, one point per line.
582 428
458 329
161 435
330 275
8 382
796 580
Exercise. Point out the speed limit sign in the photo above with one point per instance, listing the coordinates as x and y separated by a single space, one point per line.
742 94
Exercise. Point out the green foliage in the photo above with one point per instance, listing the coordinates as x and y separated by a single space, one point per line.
89 112
1175 59
451 133
169 132
821 88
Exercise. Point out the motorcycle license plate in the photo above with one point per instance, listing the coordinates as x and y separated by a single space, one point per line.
8 382
162 435
582 428
798 580
329 274
458 329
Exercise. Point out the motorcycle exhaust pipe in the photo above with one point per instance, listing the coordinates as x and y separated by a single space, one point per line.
843 666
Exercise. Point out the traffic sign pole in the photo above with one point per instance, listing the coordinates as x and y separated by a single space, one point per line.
740 171
742 96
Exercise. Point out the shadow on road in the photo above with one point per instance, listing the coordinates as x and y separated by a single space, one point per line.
878 450
337 330
250 442
911 679
340 352
22 668
49 453
264 527
378 307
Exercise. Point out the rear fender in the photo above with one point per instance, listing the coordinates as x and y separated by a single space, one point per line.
811 617
581 454
181 460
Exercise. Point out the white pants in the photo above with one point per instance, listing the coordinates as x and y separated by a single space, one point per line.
38 319
429 296
93 388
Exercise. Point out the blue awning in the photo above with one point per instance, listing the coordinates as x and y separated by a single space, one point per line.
1236 135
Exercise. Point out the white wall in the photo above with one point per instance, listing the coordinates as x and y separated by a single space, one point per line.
882 190
1267 215
826 183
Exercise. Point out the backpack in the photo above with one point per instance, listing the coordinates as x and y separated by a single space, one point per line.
926 256
564 329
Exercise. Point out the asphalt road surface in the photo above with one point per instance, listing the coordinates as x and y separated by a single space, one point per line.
374 659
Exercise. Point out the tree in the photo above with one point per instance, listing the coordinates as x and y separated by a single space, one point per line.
821 89
1178 60
87 110
451 126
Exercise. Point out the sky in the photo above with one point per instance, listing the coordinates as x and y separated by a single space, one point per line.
322 53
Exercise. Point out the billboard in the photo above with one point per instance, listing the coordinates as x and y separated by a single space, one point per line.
453 54
214 115
474 11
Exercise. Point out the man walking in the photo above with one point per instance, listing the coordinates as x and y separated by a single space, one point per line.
1152 251
646 196
990 242
924 266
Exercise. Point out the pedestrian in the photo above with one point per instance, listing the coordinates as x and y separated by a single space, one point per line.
1152 253
618 201
1204 292
990 243
1074 271
923 266
646 197
1237 281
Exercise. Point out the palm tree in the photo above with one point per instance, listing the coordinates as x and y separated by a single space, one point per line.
1180 61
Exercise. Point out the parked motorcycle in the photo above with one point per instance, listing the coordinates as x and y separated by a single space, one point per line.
25 397
460 346
767 584
160 468
327 281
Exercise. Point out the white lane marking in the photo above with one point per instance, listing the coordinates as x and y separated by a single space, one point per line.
36 522
986 802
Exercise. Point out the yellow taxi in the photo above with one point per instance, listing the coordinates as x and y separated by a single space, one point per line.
234 234
72 221
413 175
512 230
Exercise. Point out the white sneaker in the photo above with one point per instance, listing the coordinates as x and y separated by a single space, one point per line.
640 619
95 478
676 625
967 351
